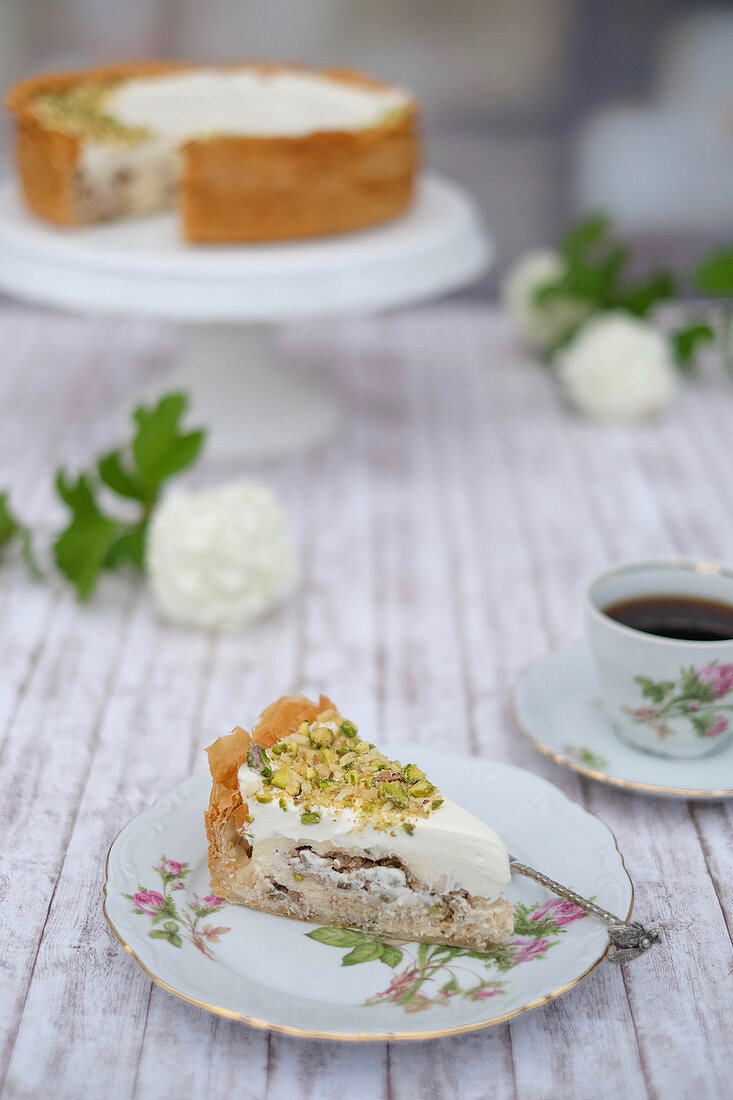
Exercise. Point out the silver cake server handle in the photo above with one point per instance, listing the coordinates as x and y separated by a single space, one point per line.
628 938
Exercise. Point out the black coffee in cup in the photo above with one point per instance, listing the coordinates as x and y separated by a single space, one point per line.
686 618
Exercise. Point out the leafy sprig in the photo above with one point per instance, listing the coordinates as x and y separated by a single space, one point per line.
595 271
95 540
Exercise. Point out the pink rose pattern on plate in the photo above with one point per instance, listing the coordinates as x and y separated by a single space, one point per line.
434 974
172 924
696 697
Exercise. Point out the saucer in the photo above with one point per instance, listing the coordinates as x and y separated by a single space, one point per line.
558 708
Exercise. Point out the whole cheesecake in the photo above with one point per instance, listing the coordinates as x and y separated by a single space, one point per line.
249 152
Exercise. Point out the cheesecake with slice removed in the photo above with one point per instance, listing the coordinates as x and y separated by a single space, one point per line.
248 152
310 821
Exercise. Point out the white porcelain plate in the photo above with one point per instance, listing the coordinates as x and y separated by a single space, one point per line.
557 707
332 983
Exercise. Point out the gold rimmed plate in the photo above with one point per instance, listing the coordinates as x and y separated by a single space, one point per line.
557 707
337 984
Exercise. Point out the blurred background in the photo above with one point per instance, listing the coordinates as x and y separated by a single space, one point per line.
543 108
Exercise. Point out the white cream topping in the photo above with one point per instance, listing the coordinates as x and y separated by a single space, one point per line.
248 102
451 849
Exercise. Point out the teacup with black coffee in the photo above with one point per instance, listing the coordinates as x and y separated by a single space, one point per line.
661 634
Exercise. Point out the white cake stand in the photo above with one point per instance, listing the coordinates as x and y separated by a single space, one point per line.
230 299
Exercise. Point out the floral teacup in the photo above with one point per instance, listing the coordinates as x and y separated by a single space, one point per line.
667 696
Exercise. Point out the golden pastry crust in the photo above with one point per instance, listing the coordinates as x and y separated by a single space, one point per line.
238 189
226 812
47 159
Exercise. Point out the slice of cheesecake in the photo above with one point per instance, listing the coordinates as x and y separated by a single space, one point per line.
309 821
250 152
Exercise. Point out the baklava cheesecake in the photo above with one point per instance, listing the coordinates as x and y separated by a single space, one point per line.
249 152
309 821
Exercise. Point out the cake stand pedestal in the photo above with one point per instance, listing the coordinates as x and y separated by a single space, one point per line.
229 300
239 387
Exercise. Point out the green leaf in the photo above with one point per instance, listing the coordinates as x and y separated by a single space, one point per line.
686 342
114 475
639 298
391 955
703 721
171 926
8 522
451 986
714 276
160 448
694 688
363 953
129 548
158 934
584 235
81 549
175 940
337 937
11 528
652 690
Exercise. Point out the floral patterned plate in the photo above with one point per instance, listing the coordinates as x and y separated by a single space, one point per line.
557 707
338 984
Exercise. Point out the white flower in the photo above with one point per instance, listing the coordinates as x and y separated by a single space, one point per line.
220 557
617 368
540 325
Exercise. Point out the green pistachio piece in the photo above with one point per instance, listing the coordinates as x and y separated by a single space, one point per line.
264 796
320 736
435 910
409 829
413 774
395 793
310 818
436 803
281 778
282 803
349 729
422 789
278 748
297 876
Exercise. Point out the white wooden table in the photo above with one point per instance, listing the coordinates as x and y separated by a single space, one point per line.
446 536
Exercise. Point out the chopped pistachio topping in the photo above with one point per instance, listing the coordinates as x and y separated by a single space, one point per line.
80 112
324 766
413 773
